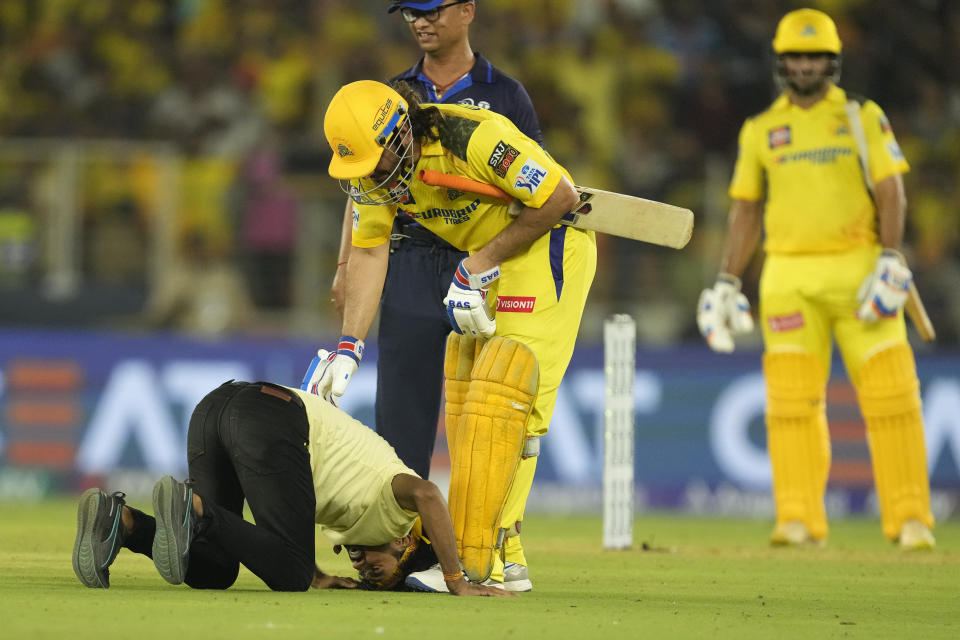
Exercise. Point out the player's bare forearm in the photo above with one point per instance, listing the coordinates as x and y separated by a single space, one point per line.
366 272
422 496
744 228
529 225
338 287
891 201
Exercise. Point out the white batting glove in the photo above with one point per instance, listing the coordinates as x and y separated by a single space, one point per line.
466 302
329 373
884 292
722 312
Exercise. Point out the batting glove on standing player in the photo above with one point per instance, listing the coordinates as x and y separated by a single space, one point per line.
722 312
466 302
884 292
329 373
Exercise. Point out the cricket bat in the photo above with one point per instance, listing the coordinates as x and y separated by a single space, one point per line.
602 211
918 314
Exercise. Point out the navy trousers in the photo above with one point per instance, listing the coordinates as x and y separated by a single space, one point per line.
411 342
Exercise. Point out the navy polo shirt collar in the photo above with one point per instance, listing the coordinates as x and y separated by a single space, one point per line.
481 72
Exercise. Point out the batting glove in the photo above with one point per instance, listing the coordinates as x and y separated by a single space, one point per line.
722 312
329 373
884 292
466 302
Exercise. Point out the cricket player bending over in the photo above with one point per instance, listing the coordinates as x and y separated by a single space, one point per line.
525 283
299 462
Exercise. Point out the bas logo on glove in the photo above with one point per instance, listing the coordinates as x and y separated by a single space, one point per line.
466 301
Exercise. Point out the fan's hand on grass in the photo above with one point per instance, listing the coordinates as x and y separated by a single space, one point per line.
463 588
322 580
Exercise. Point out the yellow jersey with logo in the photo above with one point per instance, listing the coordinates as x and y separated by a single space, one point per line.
806 163
473 143
353 470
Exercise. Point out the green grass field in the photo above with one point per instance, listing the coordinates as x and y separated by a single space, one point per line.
700 578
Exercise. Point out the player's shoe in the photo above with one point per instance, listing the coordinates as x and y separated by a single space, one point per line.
916 536
516 577
793 534
100 534
431 580
176 526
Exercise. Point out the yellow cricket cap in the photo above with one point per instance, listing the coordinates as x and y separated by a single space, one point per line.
360 119
806 31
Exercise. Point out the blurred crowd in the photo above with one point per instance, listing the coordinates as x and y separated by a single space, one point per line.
640 96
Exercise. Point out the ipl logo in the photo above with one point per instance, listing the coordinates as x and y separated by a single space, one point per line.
530 177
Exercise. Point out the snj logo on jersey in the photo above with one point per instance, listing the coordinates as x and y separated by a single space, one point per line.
530 177
825 155
502 157
449 216
787 322
516 304
778 137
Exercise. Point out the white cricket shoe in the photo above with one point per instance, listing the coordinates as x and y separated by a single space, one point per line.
430 580
793 534
516 577
915 536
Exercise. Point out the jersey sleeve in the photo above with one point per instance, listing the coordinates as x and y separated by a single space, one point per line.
886 158
371 224
498 155
747 182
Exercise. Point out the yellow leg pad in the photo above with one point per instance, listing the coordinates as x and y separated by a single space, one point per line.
487 448
461 354
889 395
797 438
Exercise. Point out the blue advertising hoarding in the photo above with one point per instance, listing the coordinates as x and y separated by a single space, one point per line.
82 406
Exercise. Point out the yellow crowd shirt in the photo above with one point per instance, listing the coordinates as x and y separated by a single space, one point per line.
478 144
353 470
806 163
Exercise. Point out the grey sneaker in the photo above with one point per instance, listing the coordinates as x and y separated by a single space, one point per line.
100 534
176 523
516 577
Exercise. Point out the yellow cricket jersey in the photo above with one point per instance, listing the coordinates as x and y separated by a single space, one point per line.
478 144
353 470
806 162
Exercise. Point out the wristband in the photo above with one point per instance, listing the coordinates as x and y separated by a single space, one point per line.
452 577
467 280
350 347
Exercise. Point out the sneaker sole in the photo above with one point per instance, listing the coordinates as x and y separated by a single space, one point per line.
84 562
518 586
168 557
420 585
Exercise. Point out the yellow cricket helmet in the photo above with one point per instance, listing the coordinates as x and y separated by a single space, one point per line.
360 120
806 31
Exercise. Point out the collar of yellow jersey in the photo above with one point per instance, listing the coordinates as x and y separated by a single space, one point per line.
834 94
431 148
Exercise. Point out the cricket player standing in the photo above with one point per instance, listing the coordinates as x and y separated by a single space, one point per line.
525 282
832 269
